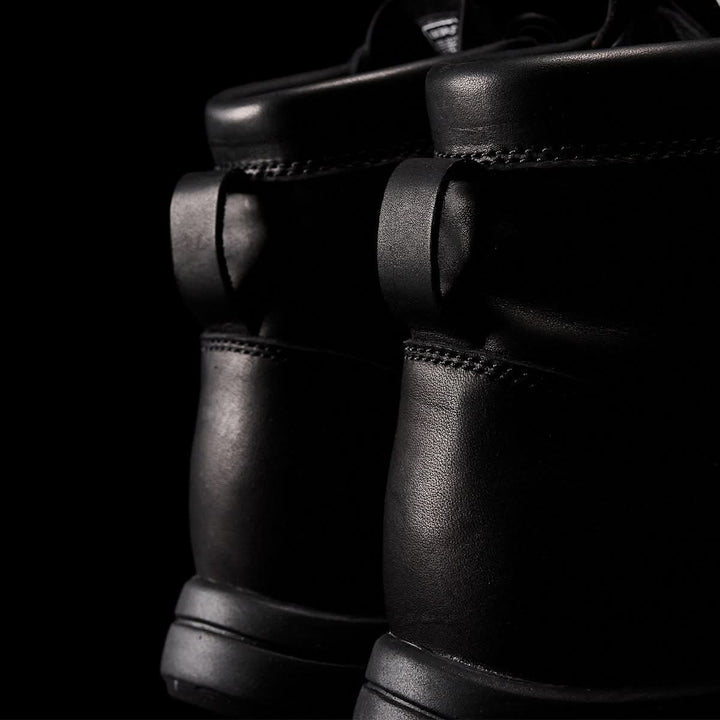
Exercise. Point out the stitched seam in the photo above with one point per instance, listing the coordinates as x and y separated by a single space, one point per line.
242 347
619 152
493 369
210 343
278 167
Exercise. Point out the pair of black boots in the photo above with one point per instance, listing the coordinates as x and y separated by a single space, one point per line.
550 537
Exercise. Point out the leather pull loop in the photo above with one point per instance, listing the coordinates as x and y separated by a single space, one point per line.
408 238
218 236
196 227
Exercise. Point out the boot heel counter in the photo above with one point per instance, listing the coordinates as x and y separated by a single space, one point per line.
288 471
548 526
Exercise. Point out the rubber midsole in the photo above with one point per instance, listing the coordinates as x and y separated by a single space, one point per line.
208 660
289 629
433 685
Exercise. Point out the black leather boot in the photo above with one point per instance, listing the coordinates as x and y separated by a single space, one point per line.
551 530
275 252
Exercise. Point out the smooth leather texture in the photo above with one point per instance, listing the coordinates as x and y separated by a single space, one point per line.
218 236
352 120
617 104
416 190
550 508
285 498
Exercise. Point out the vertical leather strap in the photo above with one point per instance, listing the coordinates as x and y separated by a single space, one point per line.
408 238
218 236
196 226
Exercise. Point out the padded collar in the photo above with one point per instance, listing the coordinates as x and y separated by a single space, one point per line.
593 106
332 124
332 121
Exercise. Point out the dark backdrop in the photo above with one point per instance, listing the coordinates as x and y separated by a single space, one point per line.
97 544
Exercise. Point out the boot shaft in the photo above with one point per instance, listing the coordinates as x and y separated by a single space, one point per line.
549 510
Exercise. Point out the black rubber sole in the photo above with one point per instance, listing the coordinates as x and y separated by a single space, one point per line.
237 653
405 682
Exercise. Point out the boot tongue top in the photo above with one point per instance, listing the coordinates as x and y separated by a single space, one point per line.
404 31
439 23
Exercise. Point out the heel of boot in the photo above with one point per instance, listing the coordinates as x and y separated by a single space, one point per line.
405 682
238 653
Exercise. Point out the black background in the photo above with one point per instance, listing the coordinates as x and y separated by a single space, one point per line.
96 540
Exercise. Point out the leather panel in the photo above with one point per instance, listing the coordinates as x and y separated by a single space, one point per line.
340 123
553 529
286 483
594 106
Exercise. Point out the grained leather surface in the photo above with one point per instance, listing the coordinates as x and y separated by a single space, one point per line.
615 104
550 509
286 492
550 528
